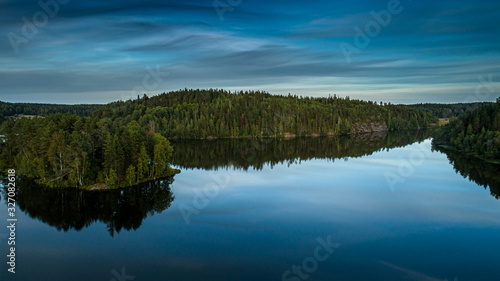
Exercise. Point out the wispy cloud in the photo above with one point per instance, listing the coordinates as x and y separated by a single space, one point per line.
89 47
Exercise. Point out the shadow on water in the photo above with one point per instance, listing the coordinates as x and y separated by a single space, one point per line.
255 153
119 209
481 172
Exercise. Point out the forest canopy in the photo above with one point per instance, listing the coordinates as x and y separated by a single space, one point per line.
476 132
441 110
42 109
218 113
69 150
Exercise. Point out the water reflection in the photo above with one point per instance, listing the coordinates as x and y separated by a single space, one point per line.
67 209
483 173
255 153
265 221
76 209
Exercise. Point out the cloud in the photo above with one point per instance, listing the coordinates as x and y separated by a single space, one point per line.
283 46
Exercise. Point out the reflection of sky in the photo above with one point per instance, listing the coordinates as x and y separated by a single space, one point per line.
435 224
432 192
98 51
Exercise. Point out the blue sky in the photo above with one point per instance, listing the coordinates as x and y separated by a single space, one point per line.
101 51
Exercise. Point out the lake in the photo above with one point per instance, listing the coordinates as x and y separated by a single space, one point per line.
368 207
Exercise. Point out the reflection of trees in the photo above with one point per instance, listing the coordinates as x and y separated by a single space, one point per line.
481 172
255 153
75 209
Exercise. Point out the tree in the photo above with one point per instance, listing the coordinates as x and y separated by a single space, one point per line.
112 178
131 175
56 155
162 155
143 164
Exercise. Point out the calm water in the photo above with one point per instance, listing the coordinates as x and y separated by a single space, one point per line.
390 208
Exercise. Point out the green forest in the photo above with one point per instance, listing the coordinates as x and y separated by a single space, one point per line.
476 132
127 142
443 110
41 109
217 113
69 150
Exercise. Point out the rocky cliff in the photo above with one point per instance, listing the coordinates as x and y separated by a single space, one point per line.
361 128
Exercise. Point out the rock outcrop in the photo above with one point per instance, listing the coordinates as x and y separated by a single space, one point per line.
361 128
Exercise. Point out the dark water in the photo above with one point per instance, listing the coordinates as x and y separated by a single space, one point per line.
374 207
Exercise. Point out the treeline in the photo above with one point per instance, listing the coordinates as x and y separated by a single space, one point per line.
440 110
41 109
218 113
68 150
476 132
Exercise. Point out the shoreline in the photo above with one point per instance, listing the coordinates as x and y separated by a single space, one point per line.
291 136
104 187
447 147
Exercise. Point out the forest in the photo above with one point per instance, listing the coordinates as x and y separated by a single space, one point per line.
69 150
41 109
127 142
476 132
198 114
442 110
